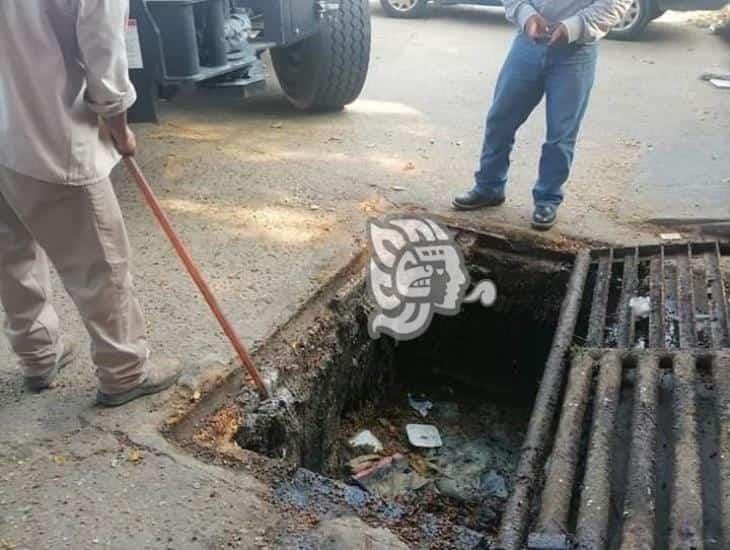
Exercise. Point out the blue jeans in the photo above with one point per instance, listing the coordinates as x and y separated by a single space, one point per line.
564 75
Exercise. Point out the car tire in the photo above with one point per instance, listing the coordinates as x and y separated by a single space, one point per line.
658 12
405 9
634 23
327 71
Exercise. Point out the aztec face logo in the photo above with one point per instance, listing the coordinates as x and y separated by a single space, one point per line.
416 269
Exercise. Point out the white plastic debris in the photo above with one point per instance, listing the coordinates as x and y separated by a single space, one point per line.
424 436
422 406
366 439
723 84
641 306
670 236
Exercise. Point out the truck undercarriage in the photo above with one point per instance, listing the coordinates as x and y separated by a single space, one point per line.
320 50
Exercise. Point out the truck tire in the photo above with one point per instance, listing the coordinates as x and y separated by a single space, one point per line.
327 71
405 9
632 26
658 12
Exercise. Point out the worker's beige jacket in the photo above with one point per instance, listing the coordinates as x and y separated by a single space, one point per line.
68 64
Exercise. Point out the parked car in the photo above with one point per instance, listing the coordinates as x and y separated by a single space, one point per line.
640 14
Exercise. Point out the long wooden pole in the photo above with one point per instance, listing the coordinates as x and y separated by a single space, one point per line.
195 274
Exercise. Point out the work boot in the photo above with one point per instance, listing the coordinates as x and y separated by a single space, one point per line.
161 374
69 352
544 216
471 200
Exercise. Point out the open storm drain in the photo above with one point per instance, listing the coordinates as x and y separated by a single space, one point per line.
421 436
532 422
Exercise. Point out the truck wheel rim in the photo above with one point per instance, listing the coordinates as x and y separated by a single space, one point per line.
629 19
402 5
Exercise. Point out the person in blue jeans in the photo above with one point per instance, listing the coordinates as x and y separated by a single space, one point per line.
553 56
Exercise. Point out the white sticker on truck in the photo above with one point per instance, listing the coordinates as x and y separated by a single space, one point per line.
134 48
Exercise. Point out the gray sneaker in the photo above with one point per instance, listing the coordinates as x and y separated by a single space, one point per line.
68 355
162 373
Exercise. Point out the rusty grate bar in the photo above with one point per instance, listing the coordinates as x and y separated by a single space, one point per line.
721 379
656 294
597 322
514 521
686 510
685 297
620 500
595 500
639 506
629 286
557 493
718 299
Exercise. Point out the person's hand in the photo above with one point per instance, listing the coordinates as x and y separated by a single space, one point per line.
121 134
125 142
559 35
536 27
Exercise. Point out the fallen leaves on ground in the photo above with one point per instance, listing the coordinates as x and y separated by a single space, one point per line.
134 455
219 429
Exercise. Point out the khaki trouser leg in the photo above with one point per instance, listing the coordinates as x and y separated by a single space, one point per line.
82 231
31 323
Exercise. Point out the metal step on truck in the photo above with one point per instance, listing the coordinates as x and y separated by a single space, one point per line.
320 49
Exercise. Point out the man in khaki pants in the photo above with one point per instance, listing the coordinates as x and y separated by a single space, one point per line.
64 93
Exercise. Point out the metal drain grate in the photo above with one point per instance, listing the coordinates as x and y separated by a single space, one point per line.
606 485
685 292
636 454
